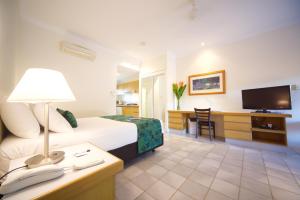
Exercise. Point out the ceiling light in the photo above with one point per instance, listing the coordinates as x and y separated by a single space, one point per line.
202 44
130 66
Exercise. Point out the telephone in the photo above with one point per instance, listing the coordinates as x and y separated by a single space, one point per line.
24 178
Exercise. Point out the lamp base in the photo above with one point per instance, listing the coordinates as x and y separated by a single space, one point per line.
40 160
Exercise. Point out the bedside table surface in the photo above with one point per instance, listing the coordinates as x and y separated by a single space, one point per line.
111 164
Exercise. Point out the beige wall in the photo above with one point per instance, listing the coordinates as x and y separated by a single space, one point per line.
7 11
93 82
268 59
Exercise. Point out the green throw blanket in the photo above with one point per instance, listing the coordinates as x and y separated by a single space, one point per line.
149 131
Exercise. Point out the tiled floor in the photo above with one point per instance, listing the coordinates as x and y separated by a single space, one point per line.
185 168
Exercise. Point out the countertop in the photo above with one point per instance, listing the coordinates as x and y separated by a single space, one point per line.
124 105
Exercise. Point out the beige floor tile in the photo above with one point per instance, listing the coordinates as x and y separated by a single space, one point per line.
279 183
132 172
189 163
161 191
175 158
144 196
173 179
201 178
229 177
213 195
127 191
281 174
144 164
280 194
277 166
168 164
250 195
196 157
255 167
182 153
237 163
231 168
211 162
256 187
121 179
255 175
215 156
180 196
225 188
182 170
156 171
193 189
207 169
144 180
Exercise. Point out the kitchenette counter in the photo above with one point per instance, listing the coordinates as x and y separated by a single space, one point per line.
124 105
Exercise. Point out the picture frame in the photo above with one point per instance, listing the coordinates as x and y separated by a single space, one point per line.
207 83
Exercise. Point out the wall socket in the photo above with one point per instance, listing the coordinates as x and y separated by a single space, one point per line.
295 87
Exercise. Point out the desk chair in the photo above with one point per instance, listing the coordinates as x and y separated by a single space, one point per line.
203 121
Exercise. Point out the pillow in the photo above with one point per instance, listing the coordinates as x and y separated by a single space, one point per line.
19 120
57 123
69 117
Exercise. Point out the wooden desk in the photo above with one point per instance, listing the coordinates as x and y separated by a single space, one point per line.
239 125
97 182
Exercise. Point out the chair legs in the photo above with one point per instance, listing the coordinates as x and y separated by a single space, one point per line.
211 134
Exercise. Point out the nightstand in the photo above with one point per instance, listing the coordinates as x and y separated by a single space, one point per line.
97 182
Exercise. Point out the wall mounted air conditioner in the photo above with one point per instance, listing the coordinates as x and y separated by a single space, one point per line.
77 50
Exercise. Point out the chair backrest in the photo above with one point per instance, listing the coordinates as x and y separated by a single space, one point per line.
202 114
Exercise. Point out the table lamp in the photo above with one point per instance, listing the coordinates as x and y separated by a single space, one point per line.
39 85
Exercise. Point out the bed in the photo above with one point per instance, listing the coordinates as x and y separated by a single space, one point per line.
118 135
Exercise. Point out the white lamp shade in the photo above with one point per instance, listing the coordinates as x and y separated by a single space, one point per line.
41 85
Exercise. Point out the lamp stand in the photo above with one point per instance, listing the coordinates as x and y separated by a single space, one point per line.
46 158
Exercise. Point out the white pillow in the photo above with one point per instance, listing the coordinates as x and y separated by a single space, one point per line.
19 120
57 123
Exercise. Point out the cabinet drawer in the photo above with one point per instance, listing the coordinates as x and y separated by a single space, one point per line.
175 115
176 126
237 126
241 119
176 120
238 135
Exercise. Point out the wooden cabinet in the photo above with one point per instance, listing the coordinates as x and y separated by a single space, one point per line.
130 111
265 127
177 120
132 86
237 127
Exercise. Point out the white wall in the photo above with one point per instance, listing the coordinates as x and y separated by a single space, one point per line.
93 82
268 59
7 11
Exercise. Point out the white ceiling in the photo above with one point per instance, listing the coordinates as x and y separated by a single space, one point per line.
164 25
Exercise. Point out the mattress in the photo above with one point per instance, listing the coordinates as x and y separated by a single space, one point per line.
105 133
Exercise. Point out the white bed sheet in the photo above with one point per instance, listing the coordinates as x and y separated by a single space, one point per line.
104 133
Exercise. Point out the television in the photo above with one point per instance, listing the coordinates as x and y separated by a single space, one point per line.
269 98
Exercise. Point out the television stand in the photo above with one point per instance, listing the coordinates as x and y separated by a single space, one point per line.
262 111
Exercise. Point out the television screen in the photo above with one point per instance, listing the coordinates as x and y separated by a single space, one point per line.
272 98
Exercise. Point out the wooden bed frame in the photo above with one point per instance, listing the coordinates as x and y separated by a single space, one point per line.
130 151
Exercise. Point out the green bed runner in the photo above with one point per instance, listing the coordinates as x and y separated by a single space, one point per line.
149 131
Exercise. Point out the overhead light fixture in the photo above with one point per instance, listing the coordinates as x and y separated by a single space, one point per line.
130 66
202 44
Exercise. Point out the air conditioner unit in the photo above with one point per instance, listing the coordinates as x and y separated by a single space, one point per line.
77 50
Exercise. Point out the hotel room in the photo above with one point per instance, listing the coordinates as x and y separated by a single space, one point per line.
150 100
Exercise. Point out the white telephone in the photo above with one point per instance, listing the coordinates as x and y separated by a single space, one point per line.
24 178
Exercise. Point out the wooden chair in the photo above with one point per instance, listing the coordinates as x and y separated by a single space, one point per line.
203 121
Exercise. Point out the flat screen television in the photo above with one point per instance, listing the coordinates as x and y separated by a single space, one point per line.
270 98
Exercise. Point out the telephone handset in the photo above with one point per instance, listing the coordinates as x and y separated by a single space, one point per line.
25 178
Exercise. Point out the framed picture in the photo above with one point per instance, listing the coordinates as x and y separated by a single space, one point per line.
208 83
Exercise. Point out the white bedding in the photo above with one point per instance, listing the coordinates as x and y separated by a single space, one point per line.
104 133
